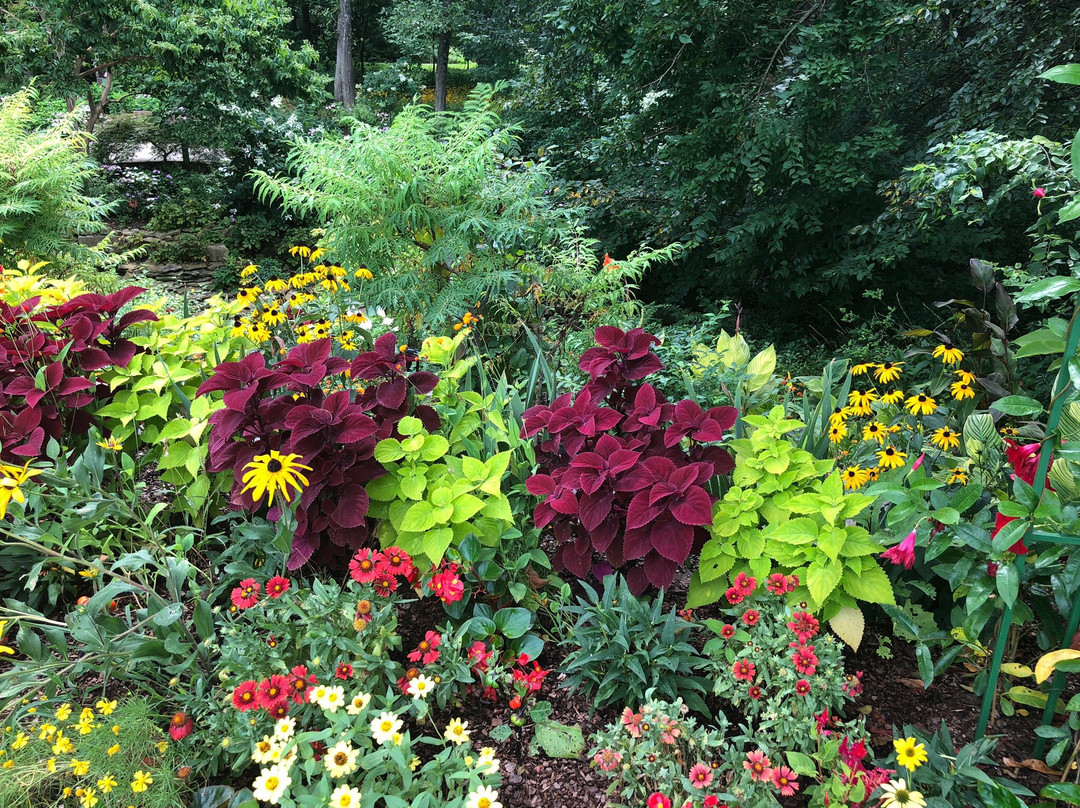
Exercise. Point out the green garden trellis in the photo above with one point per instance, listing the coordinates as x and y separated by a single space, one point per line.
1062 387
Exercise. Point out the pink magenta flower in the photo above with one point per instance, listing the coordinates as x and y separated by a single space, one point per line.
1039 193
632 722
802 687
785 781
903 553
805 659
607 759
758 765
365 566
701 776
919 462
246 696
658 800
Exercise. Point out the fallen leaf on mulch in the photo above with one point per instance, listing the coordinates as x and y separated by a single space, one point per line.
1030 763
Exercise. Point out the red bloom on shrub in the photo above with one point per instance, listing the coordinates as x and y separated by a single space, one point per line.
903 553
180 726
245 696
397 562
365 567
727 631
802 687
744 670
750 617
754 692
446 585
1000 520
344 671
426 651
658 800
277 586
273 690
805 659
534 679
299 683
246 595
1039 193
804 625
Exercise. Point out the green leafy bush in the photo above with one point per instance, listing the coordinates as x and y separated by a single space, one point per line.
627 649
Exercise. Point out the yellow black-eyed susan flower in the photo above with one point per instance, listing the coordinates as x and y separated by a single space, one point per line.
239 327
1009 432
945 438
860 401
893 397
364 274
965 376
276 285
920 404
958 477
888 372
875 430
837 433
273 315
248 295
269 473
854 477
862 368
961 390
303 252
891 458
249 270
948 355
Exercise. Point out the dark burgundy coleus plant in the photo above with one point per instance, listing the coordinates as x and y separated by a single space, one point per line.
329 411
622 471
48 358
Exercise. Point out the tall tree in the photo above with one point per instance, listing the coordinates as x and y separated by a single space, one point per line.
344 71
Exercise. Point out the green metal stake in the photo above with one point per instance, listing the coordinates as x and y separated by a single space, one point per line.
1057 684
1057 405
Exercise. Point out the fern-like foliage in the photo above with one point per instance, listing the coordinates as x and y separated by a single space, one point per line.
42 176
432 205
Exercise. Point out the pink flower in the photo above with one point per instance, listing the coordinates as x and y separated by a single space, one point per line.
479 656
780 584
758 765
607 759
658 800
903 553
632 722
701 776
246 697
712 801
852 753
822 722
180 726
397 562
785 781
754 692
1039 193
272 691
750 617
805 659
804 625
447 585
919 462
727 631
425 651
802 687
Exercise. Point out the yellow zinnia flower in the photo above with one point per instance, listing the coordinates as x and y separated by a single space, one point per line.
875 430
888 372
961 390
272 472
920 404
945 438
457 732
947 355
854 477
909 753
891 458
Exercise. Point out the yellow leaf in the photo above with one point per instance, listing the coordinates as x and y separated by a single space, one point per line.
1045 666
1016 669
849 623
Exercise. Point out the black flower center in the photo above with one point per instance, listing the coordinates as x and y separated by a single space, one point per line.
274 466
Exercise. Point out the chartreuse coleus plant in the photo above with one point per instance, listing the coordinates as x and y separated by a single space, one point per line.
787 512
431 499
156 412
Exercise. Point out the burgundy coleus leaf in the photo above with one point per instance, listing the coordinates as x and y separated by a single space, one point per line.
336 421
352 507
701 426
383 361
235 375
574 424
620 357
716 456
591 471
649 411
659 570
556 496
536 418
308 364
422 381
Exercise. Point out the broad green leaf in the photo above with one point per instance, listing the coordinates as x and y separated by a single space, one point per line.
1062 74
434 447
801 764
418 518
410 425
871 585
389 450
466 507
1049 288
822 578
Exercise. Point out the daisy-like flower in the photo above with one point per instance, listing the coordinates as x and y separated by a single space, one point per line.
273 315
105 706
248 295
784 781
701 776
875 430
300 684
332 699
854 477
107 783
802 687
398 562
112 444
364 274
920 404
268 750
421 686
273 690
457 731
958 476
945 438
79 767
948 355
487 763
271 784
888 372
962 389
837 433
358 703
11 477
632 722
744 670
758 765
284 729
89 798
805 659
276 285
180 726
909 753
249 270
365 566
893 397
483 797
246 595
896 794
860 401
141 781
340 759
277 586
862 368
272 472
891 458
426 651
385 727
345 796
839 415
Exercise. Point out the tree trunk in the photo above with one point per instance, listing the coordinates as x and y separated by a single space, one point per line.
305 21
344 77
365 15
442 59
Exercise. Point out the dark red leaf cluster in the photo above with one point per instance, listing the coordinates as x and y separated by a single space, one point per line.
330 412
622 470
47 357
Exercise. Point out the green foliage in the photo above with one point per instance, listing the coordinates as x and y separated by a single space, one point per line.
626 648
42 172
430 499
433 206
780 515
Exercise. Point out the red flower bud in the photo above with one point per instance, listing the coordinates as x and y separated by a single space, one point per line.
1039 193
991 568
515 702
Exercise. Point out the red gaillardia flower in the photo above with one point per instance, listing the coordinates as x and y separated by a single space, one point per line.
426 650
180 726
277 586
344 671
273 690
246 595
245 696
802 687
299 684
365 566
744 669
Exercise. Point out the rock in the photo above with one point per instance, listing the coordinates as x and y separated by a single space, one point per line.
216 253
92 240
